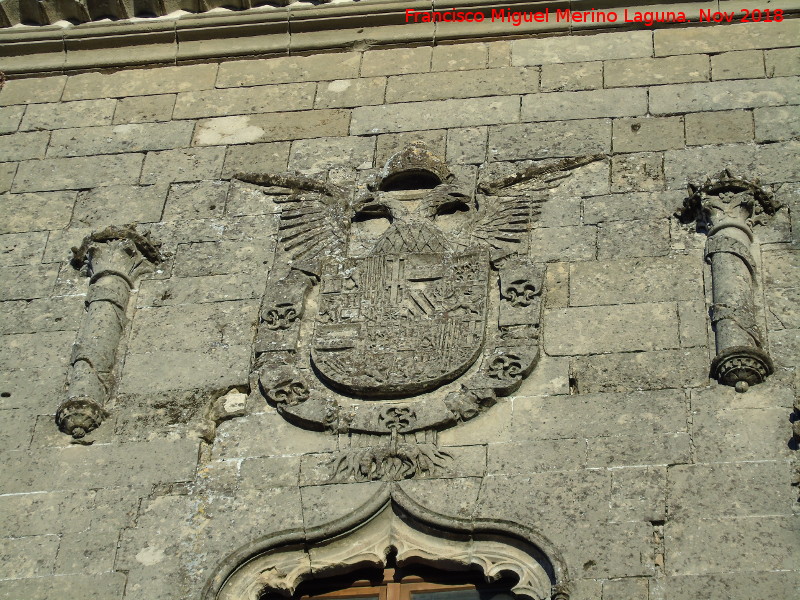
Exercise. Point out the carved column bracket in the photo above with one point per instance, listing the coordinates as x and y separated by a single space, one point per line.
113 259
727 208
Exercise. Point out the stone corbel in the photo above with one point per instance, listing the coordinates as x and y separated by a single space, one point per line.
728 207
113 259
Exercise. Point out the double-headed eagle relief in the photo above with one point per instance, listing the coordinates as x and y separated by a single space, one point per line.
402 309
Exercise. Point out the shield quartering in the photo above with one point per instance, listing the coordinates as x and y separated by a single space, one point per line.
393 325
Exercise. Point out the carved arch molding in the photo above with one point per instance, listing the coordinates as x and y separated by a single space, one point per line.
282 563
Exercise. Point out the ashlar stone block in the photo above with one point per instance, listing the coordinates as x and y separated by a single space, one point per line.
248 129
35 211
545 140
633 238
28 556
395 61
621 328
572 76
140 82
108 586
724 95
640 135
590 104
78 173
82 113
720 127
434 114
119 204
144 109
576 48
347 93
774 124
781 62
462 84
113 139
239 101
656 71
740 36
746 64
32 90
10 117
287 69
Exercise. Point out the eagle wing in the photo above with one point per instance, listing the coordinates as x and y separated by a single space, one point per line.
510 214
314 217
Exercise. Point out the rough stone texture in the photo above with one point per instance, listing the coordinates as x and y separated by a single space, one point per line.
649 480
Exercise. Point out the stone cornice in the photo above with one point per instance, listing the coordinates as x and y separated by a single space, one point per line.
298 28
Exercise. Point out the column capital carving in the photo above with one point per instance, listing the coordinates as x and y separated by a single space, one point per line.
121 251
729 201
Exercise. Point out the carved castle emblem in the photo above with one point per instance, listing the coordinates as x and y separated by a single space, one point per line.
400 310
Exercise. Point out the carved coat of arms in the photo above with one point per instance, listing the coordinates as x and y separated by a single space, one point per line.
401 309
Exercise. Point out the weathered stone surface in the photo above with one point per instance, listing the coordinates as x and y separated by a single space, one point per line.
347 93
472 84
144 109
639 494
770 163
247 129
77 173
693 323
560 243
35 350
630 206
83 113
30 316
493 426
324 505
733 586
241 438
730 490
35 211
119 204
722 39
28 556
46 513
751 429
721 127
655 71
459 57
536 456
24 145
544 140
641 370
7 172
215 369
182 165
455 498
577 48
140 82
395 61
286 69
632 450
622 328
724 95
743 543
221 258
572 76
434 114
632 238
781 62
591 104
10 117
256 158
467 145
138 465
113 139
637 172
261 99
21 248
326 153
108 586
27 282
31 90
639 135
270 472
619 414
198 200
746 64
633 588
776 124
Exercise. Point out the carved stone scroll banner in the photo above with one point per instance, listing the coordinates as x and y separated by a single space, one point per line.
113 259
728 208
407 306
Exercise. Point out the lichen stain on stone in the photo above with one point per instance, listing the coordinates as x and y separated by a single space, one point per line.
339 86
228 130
150 556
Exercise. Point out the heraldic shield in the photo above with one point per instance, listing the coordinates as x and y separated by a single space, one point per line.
394 325
400 308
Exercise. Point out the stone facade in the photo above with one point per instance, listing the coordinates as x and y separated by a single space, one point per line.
600 230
